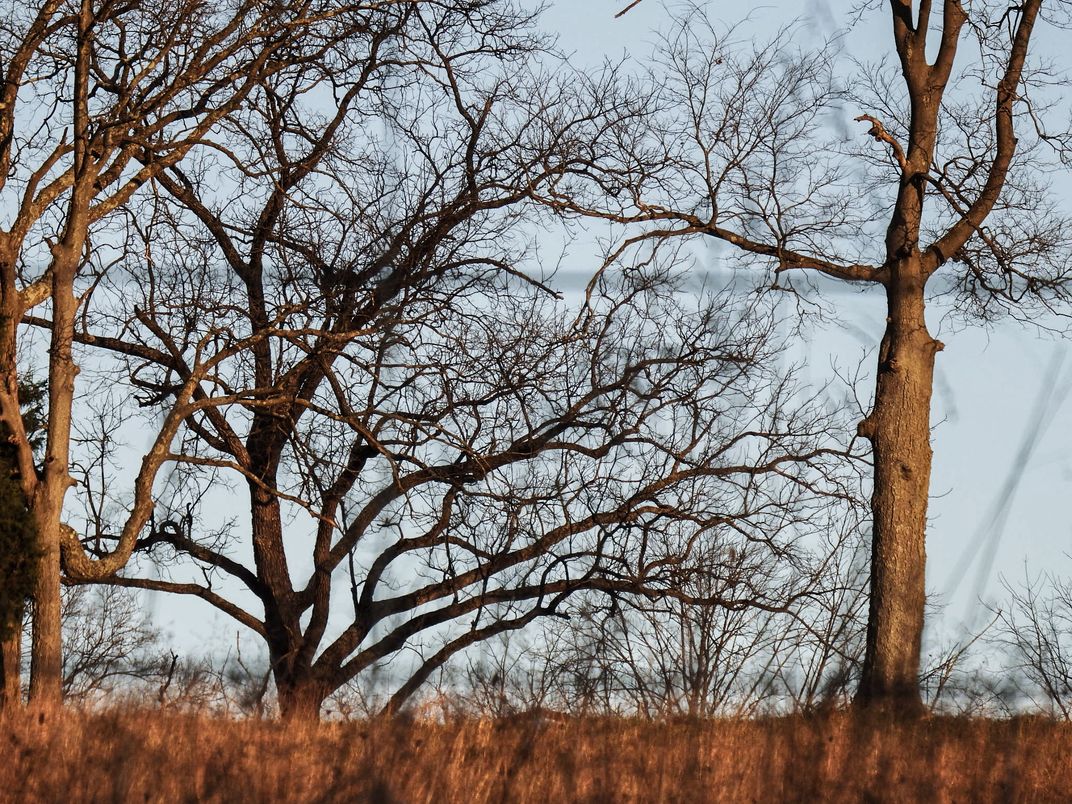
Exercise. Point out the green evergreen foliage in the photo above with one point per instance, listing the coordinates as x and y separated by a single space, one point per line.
18 535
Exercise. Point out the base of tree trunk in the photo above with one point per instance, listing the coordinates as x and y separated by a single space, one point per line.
903 704
300 706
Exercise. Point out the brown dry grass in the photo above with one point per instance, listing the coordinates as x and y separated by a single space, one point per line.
149 756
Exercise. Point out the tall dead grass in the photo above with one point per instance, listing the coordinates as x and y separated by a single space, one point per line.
156 757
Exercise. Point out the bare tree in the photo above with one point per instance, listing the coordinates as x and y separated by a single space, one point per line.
113 654
1034 629
97 98
558 457
953 198
814 660
436 450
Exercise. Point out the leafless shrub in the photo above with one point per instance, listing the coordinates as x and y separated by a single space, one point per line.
659 658
1035 629
108 643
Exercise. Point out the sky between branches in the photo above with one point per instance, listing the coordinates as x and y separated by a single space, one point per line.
990 381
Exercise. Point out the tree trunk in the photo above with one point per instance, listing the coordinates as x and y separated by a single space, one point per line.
46 659
899 431
300 699
10 313
10 668
46 654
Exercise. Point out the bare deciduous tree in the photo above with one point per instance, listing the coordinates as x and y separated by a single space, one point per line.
97 98
952 197
436 450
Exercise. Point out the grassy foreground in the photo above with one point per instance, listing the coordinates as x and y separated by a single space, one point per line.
152 756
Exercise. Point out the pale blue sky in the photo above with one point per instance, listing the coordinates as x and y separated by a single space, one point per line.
988 380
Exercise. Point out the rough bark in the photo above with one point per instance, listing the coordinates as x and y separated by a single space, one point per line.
46 650
46 661
899 431
898 426
300 697
281 614
10 663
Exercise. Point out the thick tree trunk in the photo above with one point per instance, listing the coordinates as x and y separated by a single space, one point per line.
270 557
46 652
10 667
46 659
899 431
300 696
300 699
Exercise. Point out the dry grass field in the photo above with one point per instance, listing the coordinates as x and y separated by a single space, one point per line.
153 757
